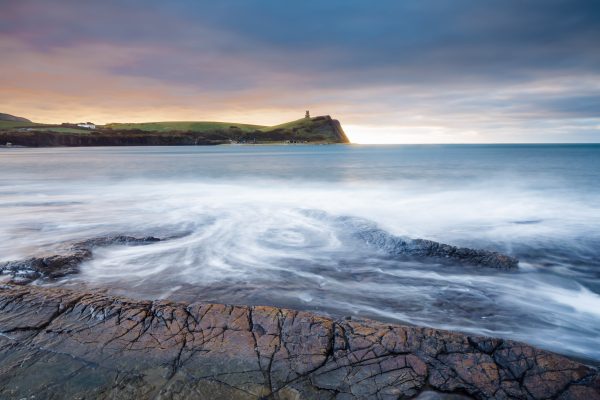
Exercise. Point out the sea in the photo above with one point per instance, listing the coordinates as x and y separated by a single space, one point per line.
261 225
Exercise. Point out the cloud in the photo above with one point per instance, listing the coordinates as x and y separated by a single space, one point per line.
502 69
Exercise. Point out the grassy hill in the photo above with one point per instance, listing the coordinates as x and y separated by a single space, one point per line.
13 118
32 126
181 126
318 129
15 124
203 126
321 129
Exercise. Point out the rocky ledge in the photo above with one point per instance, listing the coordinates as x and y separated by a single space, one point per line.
56 343
52 266
369 233
23 272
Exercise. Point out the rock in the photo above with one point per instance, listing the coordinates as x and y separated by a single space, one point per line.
56 343
397 246
23 272
51 267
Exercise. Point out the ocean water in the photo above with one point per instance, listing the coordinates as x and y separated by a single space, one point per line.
264 225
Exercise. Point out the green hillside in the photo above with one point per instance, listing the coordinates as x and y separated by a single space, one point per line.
203 126
15 124
317 130
13 118
182 126
299 123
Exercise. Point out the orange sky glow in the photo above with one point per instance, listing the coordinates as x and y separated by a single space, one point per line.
73 62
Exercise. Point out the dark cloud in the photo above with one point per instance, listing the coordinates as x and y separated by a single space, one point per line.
426 35
506 58
572 106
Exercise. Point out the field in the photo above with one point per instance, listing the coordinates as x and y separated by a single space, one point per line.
15 124
183 126
34 127
305 130
203 126
299 124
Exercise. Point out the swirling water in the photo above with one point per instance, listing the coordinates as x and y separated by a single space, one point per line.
259 225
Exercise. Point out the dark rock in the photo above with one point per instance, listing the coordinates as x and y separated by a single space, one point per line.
26 271
56 343
112 240
419 248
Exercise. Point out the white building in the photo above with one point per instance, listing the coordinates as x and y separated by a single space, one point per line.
88 125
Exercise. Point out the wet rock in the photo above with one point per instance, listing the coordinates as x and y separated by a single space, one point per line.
26 271
56 343
398 246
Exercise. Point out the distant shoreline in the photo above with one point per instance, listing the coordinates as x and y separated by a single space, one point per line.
317 130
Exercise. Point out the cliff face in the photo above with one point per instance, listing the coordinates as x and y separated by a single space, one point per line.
317 129
337 128
309 130
57 343
104 138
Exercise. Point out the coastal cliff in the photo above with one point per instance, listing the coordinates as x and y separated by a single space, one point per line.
317 130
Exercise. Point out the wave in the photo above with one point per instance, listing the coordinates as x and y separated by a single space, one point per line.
316 232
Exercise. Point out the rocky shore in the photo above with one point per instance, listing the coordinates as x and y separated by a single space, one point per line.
52 266
56 343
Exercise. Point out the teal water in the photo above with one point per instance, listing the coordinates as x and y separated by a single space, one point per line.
257 225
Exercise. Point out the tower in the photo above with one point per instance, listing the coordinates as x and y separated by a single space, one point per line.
307 115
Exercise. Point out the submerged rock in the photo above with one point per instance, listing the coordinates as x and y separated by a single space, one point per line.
23 272
397 246
26 271
56 343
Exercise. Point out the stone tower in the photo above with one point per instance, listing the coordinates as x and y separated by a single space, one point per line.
307 115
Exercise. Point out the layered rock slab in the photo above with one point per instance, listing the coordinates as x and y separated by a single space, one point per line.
23 272
48 267
398 246
56 343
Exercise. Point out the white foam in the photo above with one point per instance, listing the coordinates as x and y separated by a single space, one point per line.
251 240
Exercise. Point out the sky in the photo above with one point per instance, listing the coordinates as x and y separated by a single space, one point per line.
413 71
